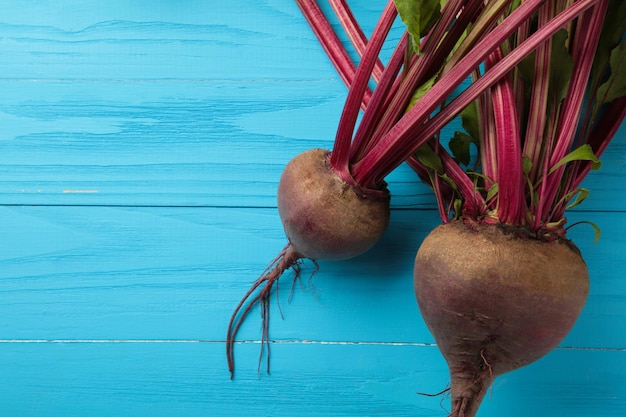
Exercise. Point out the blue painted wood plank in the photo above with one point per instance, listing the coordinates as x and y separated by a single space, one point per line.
189 143
194 105
178 273
164 143
182 379
171 40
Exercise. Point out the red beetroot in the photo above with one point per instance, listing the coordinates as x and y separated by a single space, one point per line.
325 218
495 300
498 284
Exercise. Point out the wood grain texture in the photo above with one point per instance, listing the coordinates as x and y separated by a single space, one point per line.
140 149
179 379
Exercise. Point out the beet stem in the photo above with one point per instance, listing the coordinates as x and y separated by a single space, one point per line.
329 40
340 156
287 258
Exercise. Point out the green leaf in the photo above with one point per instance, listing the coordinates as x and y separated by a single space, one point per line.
612 32
534 195
527 67
561 66
427 156
458 208
469 121
527 165
493 190
421 90
592 224
460 147
449 181
477 175
583 153
614 24
581 195
615 86
596 229
418 16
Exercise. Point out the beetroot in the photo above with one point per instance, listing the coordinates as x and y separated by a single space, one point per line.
495 300
328 212
499 284
325 218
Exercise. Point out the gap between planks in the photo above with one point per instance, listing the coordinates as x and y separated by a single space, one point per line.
289 341
235 207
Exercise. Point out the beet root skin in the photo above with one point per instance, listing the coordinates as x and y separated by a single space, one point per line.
326 218
495 301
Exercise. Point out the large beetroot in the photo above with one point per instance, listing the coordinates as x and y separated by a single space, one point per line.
499 284
488 313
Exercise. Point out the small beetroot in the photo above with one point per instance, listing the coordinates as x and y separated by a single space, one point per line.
326 218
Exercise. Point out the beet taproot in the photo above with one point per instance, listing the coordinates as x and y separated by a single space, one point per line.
495 300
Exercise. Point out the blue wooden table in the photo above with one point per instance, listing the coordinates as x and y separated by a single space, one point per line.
140 148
